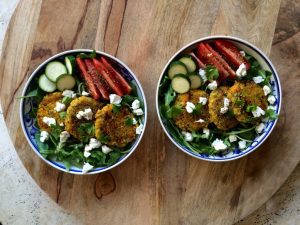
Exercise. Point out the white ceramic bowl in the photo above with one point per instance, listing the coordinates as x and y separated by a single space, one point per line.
275 83
30 129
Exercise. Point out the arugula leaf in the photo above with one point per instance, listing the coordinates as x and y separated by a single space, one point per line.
173 112
66 100
170 96
91 55
271 114
128 121
116 108
251 108
104 138
37 94
86 130
212 72
198 108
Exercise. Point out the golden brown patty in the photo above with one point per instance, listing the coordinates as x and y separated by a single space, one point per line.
72 123
187 121
243 94
216 102
46 109
112 125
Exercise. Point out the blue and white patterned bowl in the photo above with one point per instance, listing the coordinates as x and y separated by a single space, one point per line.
275 83
27 104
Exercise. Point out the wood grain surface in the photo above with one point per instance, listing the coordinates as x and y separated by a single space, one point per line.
158 184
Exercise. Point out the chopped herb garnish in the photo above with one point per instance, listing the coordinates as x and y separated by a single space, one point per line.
129 121
198 108
271 114
251 108
116 108
66 100
211 72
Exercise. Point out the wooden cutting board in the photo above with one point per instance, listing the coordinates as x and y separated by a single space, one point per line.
158 184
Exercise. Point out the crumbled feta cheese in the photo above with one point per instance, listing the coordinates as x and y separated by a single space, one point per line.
267 90
200 121
139 129
44 136
219 144
224 109
232 138
190 107
187 136
69 93
206 133
94 143
86 154
258 79
212 85
243 53
115 99
202 100
86 167
260 128
241 71
106 149
258 112
84 93
61 124
49 121
242 144
59 107
138 112
202 74
63 137
271 107
271 99
134 121
135 104
86 114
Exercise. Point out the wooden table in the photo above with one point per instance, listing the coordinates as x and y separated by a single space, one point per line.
158 184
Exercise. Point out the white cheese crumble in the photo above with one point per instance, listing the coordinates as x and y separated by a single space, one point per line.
134 121
106 149
224 109
258 79
258 112
190 107
94 143
49 121
86 167
212 85
200 121
206 133
271 99
86 154
59 107
115 99
187 136
135 104
63 137
139 129
242 144
219 145
84 93
86 114
271 107
138 112
44 136
243 53
69 93
241 71
61 124
202 100
232 138
260 128
267 90
202 74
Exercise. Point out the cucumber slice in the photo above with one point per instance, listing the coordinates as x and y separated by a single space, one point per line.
70 63
54 70
195 80
45 84
65 82
177 68
180 84
189 63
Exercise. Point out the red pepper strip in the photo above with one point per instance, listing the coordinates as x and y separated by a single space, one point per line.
222 61
200 63
125 86
231 53
87 77
207 57
98 80
112 82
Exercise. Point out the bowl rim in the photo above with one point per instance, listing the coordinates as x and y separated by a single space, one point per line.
36 72
230 38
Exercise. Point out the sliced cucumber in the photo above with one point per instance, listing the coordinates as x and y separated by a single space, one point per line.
177 68
45 84
70 63
195 80
54 70
65 82
180 84
189 63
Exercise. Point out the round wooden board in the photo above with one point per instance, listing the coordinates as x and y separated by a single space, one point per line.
158 184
